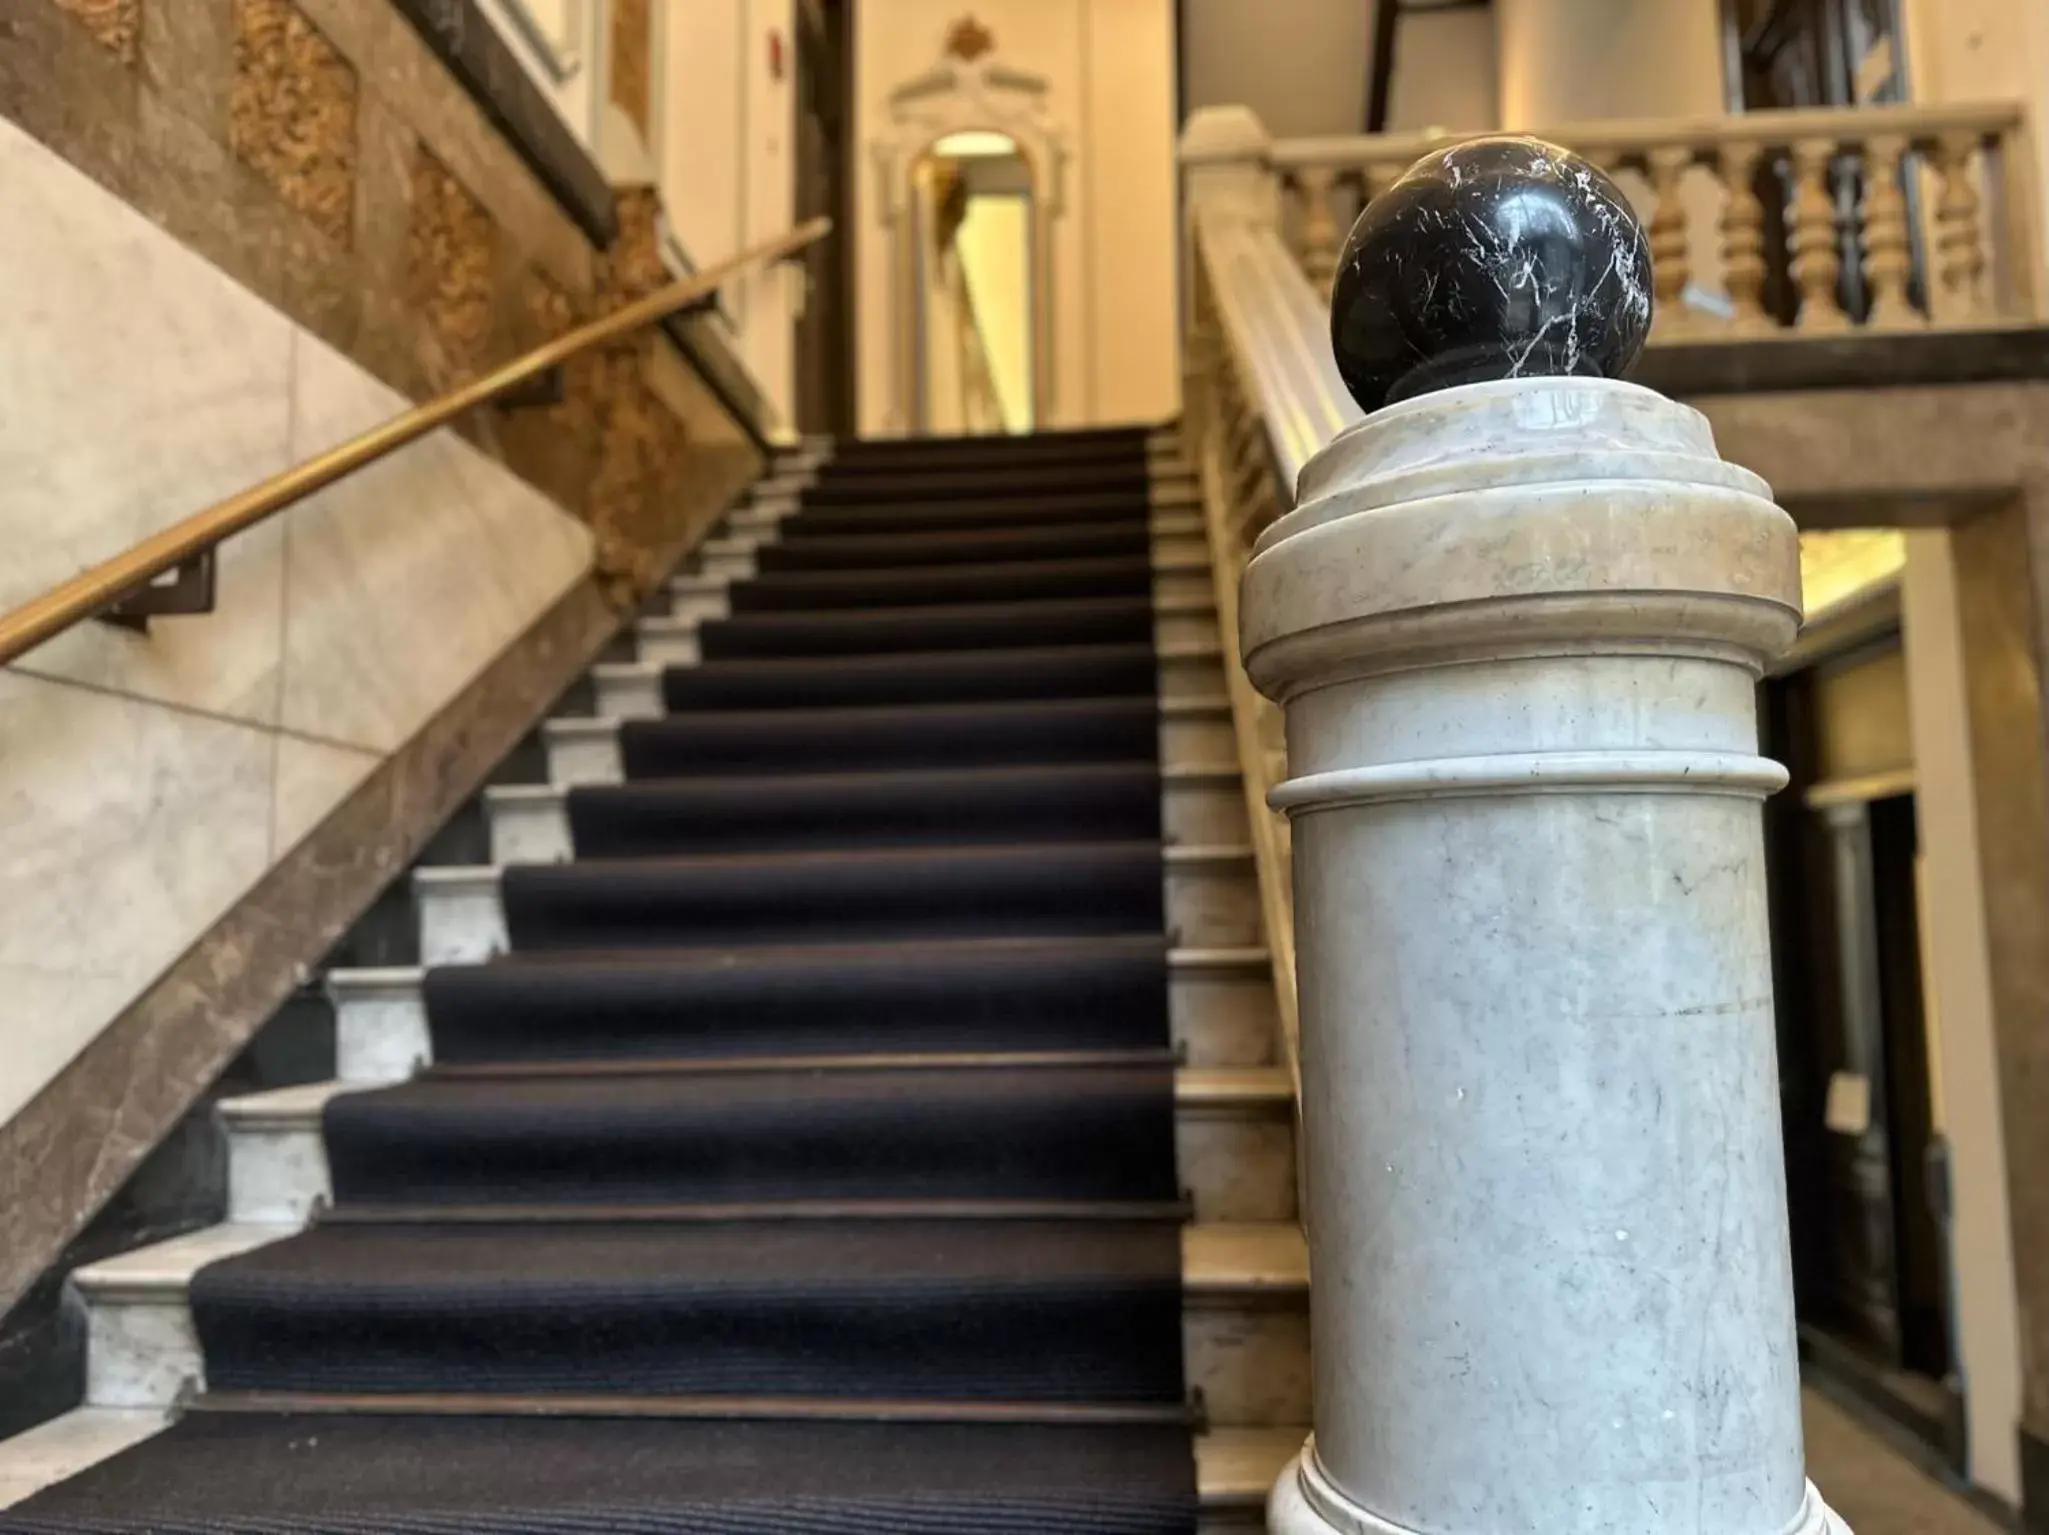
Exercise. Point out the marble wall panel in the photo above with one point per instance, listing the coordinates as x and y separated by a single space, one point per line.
126 828
309 779
139 384
406 578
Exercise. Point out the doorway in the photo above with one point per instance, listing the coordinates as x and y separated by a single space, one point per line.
972 218
825 334
1865 1164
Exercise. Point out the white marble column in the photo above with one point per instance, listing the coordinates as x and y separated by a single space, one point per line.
1516 627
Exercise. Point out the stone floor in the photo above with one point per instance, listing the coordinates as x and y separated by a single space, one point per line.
1876 1489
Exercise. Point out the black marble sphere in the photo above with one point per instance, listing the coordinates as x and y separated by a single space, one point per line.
1501 257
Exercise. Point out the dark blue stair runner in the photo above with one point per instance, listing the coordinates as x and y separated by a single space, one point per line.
808 1165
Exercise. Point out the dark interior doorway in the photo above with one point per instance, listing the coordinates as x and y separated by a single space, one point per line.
824 341
1864 1165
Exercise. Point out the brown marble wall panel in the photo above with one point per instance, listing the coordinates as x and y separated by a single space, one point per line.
207 197
451 254
61 85
292 113
189 59
115 25
2002 559
631 66
394 63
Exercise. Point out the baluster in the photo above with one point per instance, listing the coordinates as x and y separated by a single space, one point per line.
1743 268
1462 898
1959 244
1671 266
1888 246
1319 225
1817 264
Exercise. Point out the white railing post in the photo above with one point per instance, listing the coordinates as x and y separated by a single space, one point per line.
1516 620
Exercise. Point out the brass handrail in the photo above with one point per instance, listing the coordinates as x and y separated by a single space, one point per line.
94 589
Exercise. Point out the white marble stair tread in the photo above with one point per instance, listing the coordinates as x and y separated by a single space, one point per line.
301 1108
1210 896
281 1108
1233 1087
55 1451
1232 1259
1234 1467
164 1269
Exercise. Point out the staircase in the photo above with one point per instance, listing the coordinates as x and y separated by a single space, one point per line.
847 1100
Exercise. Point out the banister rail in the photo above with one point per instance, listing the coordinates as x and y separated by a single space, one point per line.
96 588
1263 396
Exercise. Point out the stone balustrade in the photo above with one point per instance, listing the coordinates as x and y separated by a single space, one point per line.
1812 220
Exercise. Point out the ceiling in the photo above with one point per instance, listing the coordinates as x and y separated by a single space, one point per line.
1303 65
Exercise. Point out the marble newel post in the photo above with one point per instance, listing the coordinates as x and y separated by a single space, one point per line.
1516 621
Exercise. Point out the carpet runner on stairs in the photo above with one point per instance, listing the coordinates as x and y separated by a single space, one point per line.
809 1163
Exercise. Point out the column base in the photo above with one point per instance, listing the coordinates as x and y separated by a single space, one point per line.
1306 1502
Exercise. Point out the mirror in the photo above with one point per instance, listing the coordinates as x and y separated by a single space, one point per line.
973 209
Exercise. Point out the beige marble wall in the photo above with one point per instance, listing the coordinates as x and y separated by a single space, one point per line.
150 781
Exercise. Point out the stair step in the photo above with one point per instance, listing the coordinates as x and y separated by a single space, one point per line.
548 824
1207 898
62 1447
1052 675
812 514
635 690
1073 445
1244 1331
1129 479
1234 1467
308 1471
1190 732
997 581
751 549
1068 994
851 632
891 737
1233 1134
1166 536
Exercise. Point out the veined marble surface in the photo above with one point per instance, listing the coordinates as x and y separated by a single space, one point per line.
126 829
407 577
139 384
151 779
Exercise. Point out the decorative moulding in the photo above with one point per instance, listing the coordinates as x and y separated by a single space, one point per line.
968 90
